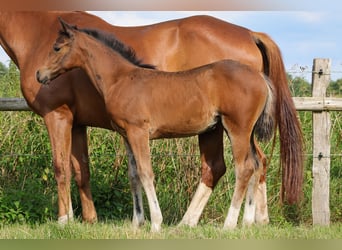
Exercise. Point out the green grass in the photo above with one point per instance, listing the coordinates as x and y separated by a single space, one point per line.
123 230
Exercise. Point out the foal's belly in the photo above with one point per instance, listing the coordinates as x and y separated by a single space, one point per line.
175 126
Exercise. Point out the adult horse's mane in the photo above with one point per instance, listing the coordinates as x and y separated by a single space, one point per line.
112 42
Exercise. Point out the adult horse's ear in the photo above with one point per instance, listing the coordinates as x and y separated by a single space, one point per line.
67 28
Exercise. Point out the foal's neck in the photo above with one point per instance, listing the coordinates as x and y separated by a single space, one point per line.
103 65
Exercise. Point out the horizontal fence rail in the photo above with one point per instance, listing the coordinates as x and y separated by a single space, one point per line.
301 103
13 104
318 103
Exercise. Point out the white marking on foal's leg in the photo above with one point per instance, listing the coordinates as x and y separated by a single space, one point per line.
249 213
69 217
156 215
232 218
261 211
198 202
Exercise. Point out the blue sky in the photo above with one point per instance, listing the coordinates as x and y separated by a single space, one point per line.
301 35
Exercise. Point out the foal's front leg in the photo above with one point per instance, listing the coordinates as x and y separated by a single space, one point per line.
138 209
138 139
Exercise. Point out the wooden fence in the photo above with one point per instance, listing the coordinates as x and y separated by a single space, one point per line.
320 107
319 104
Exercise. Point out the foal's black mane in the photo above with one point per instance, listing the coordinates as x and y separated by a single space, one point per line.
112 42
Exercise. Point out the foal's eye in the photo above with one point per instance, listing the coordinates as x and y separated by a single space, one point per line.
56 49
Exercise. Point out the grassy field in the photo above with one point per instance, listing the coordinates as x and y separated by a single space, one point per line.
123 230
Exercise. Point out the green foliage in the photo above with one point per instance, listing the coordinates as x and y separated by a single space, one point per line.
9 81
28 189
299 86
335 88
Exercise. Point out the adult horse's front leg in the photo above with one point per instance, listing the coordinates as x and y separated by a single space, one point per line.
59 128
213 168
80 163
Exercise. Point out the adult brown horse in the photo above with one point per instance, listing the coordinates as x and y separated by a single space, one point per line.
145 104
172 45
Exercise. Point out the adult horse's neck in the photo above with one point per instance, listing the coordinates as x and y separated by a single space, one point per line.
14 34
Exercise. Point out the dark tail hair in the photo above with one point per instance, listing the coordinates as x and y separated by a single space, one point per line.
290 133
265 125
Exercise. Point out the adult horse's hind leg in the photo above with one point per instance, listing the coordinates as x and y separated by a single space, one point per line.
213 168
80 163
60 138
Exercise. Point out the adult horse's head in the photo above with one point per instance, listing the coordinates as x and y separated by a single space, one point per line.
59 59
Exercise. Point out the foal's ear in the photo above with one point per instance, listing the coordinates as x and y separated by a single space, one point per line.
66 28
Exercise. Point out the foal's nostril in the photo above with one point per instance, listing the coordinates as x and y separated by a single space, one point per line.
37 75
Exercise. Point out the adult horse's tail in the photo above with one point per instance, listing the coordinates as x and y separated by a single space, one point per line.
291 138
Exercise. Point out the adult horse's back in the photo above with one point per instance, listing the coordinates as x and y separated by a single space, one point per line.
171 46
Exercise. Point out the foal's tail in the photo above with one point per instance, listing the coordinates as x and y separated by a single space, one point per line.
264 127
290 133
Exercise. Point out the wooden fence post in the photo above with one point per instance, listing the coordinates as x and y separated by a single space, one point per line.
321 145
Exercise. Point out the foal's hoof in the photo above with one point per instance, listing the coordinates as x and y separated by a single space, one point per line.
155 228
65 219
229 226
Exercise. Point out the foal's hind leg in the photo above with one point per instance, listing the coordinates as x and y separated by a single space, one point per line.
256 200
261 212
246 166
251 201
80 163
138 209
213 168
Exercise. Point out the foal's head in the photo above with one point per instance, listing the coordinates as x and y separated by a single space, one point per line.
63 57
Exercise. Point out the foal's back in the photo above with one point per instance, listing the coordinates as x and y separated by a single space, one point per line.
210 80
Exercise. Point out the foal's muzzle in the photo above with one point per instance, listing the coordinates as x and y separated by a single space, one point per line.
42 79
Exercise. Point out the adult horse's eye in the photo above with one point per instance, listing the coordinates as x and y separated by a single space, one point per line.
56 49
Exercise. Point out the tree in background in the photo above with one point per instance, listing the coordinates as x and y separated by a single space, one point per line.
299 86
